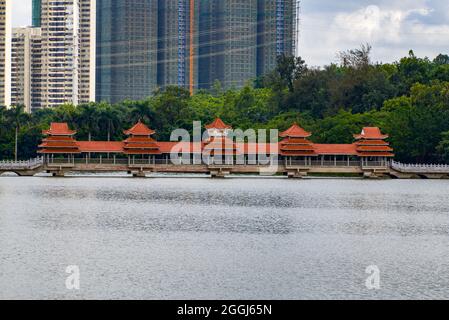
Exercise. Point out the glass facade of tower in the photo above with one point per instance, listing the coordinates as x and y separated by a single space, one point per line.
276 32
178 43
241 39
37 7
228 42
147 44
127 49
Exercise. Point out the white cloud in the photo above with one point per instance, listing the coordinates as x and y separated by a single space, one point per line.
21 11
391 27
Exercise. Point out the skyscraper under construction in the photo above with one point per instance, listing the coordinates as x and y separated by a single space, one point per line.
143 45
276 32
178 43
127 49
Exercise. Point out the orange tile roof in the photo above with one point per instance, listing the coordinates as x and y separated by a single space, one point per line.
371 133
167 147
141 146
58 144
336 149
58 138
59 129
374 148
139 139
372 143
60 151
217 143
101 146
143 152
140 129
295 141
262 148
218 124
299 153
295 131
376 154
297 148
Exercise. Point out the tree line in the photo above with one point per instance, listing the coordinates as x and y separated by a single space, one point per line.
408 99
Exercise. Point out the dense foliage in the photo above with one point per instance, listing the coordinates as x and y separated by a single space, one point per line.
408 99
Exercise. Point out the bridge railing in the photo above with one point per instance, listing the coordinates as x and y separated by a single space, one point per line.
351 163
21 164
420 168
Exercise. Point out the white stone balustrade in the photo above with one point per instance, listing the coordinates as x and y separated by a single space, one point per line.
22 164
420 168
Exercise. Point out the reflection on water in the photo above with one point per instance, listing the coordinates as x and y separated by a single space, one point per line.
226 239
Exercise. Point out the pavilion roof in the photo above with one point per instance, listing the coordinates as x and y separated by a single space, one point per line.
59 129
59 151
336 149
376 154
295 131
295 141
372 143
374 148
218 124
101 146
139 129
371 133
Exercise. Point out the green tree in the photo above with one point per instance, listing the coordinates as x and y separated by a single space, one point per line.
288 70
443 147
87 120
172 110
17 118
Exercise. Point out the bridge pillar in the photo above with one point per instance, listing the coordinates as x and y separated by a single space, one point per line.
297 174
219 174
59 173
139 174
26 173
435 176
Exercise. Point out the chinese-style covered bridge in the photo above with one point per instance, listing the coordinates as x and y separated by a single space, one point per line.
219 155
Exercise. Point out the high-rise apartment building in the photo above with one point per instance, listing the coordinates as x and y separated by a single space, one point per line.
26 68
36 13
68 51
178 43
146 44
127 49
5 52
276 32
241 39
229 34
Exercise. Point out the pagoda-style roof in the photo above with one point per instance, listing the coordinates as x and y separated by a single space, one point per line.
374 148
63 146
295 131
371 133
218 124
139 129
59 129
140 141
60 140
296 144
220 146
371 143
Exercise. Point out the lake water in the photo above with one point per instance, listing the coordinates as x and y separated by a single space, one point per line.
192 238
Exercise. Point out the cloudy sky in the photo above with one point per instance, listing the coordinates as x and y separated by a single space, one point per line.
392 27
